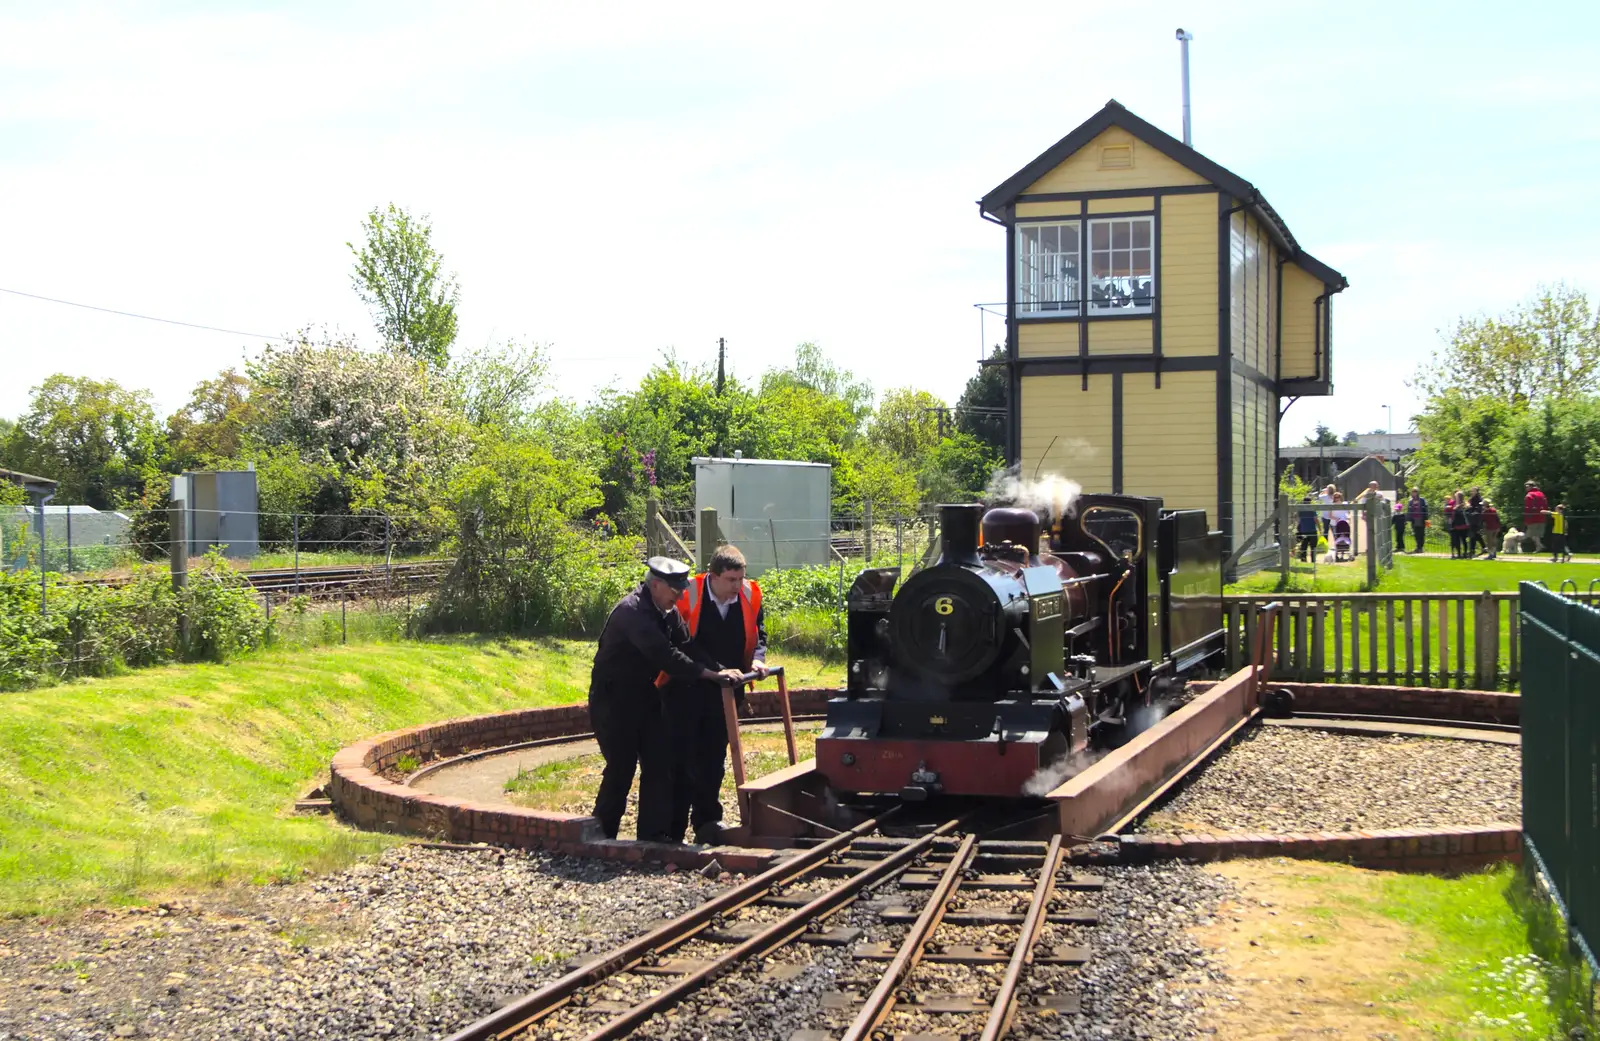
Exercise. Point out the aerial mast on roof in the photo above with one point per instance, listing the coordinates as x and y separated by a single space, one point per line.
1183 44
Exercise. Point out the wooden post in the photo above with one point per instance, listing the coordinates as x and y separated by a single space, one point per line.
706 538
652 509
730 715
1486 638
178 559
866 530
1372 542
1285 538
788 716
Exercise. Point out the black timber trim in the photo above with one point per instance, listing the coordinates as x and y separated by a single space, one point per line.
1253 374
1156 281
1222 361
1119 193
1009 191
1068 365
1083 280
1013 375
1110 215
1116 433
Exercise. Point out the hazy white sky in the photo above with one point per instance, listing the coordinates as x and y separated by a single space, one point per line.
618 179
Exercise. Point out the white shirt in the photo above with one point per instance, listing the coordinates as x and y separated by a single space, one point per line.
722 605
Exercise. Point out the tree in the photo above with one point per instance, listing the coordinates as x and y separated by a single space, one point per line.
211 428
1548 346
1324 437
981 409
97 439
1350 437
813 369
1463 443
397 276
906 422
497 385
958 469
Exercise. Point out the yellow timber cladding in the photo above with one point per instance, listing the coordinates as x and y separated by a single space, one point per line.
1158 313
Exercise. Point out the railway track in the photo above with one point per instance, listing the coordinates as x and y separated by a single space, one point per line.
325 580
959 911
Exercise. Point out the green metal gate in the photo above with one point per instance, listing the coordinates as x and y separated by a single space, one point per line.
1561 752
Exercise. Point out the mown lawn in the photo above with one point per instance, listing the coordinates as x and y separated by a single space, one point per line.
1430 574
116 789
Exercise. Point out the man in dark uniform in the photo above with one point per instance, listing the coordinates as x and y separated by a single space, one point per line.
722 610
643 637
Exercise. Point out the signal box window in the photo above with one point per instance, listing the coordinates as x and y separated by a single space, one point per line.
1121 266
1049 268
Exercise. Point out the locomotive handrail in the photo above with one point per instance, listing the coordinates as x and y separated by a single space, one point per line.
1258 654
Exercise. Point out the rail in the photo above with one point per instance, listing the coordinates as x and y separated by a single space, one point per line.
1412 639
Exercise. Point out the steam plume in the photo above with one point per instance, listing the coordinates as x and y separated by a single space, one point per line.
1049 778
1047 495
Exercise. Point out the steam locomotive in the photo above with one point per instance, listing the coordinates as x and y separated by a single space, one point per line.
1027 645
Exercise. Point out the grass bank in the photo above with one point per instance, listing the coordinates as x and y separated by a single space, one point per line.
112 790
1376 954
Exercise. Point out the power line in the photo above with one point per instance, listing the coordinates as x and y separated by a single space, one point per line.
146 317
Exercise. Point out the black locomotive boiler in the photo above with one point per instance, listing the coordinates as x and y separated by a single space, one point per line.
991 672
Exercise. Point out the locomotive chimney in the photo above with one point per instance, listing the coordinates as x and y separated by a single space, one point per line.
958 533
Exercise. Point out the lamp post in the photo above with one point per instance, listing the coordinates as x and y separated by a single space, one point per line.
1390 428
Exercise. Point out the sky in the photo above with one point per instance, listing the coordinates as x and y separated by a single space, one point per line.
620 180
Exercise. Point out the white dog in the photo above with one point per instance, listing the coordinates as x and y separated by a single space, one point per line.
1513 541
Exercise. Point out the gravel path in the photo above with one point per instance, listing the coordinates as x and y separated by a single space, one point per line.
1280 779
410 947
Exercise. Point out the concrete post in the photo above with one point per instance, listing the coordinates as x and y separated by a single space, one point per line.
866 522
178 560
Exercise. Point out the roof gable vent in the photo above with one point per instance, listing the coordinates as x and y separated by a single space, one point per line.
1116 157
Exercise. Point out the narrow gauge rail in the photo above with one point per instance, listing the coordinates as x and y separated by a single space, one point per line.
327 579
953 868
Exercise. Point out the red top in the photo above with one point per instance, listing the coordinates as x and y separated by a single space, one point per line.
1491 519
1533 507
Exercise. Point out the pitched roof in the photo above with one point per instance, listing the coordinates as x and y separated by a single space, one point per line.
21 478
1114 115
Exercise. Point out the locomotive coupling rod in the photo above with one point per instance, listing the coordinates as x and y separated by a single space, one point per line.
519 1014
772 936
881 1000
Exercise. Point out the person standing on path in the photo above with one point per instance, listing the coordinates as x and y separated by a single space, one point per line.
1474 523
1558 535
1456 510
1534 515
1306 533
722 612
1417 513
1326 498
1491 530
1399 525
643 637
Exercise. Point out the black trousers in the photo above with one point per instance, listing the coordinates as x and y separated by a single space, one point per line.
698 732
628 724
1400 535
1418 529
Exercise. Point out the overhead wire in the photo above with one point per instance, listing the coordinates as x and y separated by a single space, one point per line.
145 317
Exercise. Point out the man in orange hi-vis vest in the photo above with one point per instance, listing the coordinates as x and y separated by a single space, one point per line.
722 610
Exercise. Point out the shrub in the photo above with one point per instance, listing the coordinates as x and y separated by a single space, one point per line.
92 630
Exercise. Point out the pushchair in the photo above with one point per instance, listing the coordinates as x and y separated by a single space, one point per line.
1341 540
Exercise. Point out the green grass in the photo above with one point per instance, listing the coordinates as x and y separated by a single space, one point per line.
1480 960
113 790
1430 574
325 558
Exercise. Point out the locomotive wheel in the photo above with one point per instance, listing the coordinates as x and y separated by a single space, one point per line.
1277 704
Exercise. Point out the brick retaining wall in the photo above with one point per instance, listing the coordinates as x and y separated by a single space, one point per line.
1438 850
362 795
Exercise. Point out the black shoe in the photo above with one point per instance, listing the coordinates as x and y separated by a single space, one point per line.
709 835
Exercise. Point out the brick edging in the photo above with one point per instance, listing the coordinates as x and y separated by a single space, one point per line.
1441 850
362 795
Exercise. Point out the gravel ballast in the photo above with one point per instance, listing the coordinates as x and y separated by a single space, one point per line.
1280 779
413 946
423 941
